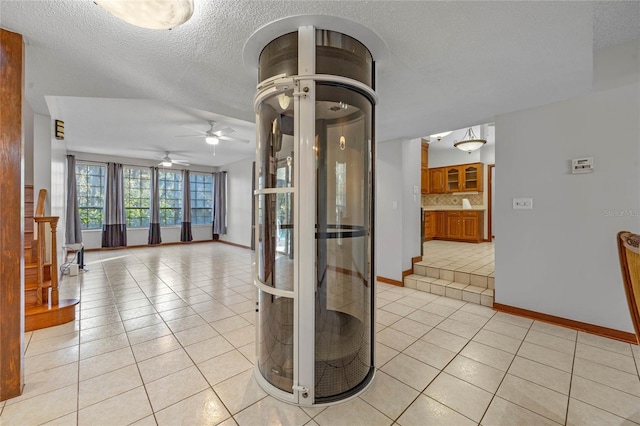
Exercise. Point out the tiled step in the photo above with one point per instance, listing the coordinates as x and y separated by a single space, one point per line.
452 289
477 279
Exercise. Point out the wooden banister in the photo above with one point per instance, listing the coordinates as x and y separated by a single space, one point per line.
42 195
41 222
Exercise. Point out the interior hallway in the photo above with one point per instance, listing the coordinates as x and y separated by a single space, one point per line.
165 336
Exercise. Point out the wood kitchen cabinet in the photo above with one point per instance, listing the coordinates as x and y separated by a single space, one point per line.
465 177
434 225
456 178
424 169
429 229
439 228
455 225
436 180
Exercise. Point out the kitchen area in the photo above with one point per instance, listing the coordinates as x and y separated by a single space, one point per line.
456 200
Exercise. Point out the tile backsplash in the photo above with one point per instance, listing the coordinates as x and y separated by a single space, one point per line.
450 199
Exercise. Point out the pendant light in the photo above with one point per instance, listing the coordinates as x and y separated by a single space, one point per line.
470 142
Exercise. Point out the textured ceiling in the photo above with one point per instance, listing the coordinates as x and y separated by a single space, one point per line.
442 65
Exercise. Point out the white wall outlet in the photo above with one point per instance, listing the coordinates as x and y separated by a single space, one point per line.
395 205
523 203
415 189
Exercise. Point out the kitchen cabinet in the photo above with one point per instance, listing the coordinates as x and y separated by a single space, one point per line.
471 177
440 230
436 180
429 225
424 169
456 225
465 177
456 178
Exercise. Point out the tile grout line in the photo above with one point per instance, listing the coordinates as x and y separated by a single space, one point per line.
495 394
443 368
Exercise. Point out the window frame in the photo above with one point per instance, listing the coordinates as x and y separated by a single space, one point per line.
84 195
142 220
171 204
198 219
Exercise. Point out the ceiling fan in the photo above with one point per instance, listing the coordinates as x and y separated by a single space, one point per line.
213 136
167 161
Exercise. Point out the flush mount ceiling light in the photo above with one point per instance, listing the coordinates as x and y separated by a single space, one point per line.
470 142
212 140
439 136
152 14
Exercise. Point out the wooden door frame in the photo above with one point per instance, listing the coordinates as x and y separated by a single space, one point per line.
489 202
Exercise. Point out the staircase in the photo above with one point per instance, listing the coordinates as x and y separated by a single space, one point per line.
42 305
469 287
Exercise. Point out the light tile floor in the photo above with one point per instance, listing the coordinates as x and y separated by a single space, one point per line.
165 336
462 257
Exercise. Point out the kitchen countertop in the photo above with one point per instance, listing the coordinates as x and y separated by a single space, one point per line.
445 208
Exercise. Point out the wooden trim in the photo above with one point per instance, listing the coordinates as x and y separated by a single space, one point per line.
234 244
11 220
489 203
175 243
413 262
389 281
568 323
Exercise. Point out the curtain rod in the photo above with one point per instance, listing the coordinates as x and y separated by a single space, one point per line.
104 163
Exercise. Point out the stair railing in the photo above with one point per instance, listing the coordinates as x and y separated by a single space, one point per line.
46 247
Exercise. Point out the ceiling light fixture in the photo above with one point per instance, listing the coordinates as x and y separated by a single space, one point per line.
166 163
439 136
212 140
152 14
470 142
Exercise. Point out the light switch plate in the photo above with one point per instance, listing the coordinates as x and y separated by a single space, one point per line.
523 203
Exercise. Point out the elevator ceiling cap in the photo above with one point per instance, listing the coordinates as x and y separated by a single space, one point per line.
442 65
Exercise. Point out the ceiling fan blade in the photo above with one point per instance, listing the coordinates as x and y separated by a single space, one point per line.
192 136
230 139
195 130
183 162
224 132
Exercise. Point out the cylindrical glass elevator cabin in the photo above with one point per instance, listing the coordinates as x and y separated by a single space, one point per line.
314 217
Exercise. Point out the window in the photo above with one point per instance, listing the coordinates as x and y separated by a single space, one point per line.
201 186
137 196
170 198
90 181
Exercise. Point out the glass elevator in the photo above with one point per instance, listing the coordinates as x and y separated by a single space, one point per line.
314 217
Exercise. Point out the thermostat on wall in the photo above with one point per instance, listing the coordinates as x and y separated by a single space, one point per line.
582 165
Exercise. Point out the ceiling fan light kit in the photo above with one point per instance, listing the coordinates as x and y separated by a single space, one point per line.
212 140
167 161
151 14
470 142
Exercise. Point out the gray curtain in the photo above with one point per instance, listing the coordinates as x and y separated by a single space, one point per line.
154 224
185 230
114 229
73 232
219 203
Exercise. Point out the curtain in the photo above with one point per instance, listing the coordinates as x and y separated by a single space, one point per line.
185 230
154 225
114 229
73 234
219 203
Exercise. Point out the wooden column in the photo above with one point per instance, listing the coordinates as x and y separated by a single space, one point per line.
11 221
